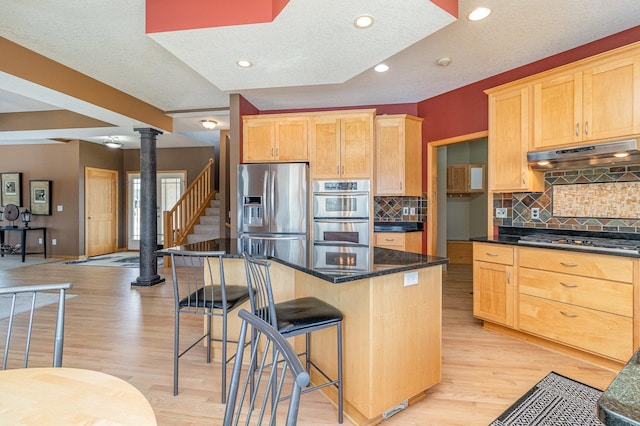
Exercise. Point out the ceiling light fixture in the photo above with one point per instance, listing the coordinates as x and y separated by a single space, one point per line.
443 62
243 63
381 68
479 13
112 142
363 21
209 124
621 154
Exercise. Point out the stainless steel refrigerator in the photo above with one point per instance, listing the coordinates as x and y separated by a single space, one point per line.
272 206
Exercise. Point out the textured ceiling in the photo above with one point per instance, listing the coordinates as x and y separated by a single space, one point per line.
107 41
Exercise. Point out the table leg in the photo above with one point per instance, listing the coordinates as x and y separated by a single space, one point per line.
23 238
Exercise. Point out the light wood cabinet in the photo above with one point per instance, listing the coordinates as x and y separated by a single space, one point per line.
465 178
403 241
342 145
275 138
589 101
398 169
509 135
494 283
579 299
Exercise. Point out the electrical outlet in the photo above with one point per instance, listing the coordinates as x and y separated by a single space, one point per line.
405 211
412 211
39 240
54 242
59 208
410 278
501 212
535 213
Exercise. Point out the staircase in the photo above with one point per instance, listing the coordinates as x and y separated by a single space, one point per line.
209 226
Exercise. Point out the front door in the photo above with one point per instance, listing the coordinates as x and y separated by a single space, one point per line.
101 207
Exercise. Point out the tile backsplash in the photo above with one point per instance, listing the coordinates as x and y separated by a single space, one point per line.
603 199
390 209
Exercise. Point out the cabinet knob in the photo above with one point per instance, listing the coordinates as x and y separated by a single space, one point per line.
492 254
568 285
569 265
586 127
577 129
566 314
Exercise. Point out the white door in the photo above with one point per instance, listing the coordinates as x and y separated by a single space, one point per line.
170 186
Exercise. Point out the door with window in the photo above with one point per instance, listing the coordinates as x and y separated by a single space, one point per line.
170 186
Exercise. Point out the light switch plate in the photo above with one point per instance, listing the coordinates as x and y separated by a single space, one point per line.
410 278
405 211
501 212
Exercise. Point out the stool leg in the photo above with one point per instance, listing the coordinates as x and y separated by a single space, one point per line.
208 317
340 393
307 341
224 355
176 343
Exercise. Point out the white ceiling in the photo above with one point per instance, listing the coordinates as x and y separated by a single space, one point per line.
106 40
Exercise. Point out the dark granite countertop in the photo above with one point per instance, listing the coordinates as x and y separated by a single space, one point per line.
511 236
301 254
620 403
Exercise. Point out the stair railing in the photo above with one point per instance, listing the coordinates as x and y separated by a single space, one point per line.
180 220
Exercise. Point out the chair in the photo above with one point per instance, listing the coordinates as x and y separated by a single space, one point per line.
201 290
23 299
295 317
249 394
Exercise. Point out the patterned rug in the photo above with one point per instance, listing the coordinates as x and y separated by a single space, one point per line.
122 260
555 400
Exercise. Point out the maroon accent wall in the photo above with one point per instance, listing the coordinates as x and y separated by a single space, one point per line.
450 6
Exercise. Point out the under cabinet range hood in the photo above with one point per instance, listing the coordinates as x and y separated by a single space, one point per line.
602 154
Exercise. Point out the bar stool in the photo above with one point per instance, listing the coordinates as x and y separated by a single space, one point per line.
295 317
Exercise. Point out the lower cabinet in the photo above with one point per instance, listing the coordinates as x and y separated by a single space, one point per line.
493 283
582 300
403 241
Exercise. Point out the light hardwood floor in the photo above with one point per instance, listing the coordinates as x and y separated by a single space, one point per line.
128 332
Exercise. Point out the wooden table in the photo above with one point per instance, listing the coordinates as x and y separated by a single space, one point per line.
70 396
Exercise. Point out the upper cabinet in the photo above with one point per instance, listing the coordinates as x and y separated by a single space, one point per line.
398 168
465 179
509 135
588 101
341 145
275 138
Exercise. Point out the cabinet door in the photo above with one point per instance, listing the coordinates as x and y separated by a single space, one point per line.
258 140
557 111
292 139
612 99
509 141
493 292
357 139
325 148
457 178
390 156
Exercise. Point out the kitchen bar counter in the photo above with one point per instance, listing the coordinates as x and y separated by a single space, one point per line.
392 328
620 403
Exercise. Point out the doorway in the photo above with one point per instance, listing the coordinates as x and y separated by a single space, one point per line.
436 192
101 207
170 187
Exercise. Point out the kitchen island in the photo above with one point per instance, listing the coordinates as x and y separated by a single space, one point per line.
392 305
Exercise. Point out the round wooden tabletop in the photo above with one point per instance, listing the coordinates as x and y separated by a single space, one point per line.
38 396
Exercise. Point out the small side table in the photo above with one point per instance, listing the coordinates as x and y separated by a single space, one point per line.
23 239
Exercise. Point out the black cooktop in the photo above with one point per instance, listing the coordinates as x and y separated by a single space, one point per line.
601 244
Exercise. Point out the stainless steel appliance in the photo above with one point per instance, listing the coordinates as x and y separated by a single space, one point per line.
341 258
341 211
585 243
602 154
272 201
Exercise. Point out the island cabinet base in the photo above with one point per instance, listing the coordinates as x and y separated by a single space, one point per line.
392 337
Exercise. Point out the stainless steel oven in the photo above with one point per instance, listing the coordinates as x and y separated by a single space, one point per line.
341 199
341 211
341 258
354 231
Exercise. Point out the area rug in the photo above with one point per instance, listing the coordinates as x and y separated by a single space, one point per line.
555 400
23 302
15 261
122 260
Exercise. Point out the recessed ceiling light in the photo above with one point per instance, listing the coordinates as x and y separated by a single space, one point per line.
479 13
209 124
112 142
364 21
243 63
443 62
381 67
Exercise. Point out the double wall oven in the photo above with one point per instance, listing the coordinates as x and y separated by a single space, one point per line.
341 225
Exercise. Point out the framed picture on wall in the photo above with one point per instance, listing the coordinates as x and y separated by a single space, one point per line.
11 188
40 197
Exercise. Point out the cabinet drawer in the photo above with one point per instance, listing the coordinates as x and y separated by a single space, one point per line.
612 268
390 239
603 295
494 253
595 331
